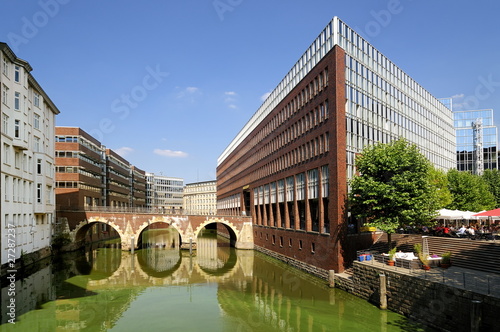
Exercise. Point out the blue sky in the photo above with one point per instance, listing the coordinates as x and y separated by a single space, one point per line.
168 84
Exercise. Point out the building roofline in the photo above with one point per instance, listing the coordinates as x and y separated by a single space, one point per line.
31 79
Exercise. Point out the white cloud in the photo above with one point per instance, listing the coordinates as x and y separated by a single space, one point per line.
461 95
264 96
189 92
230 99
124 151
170 153
192 89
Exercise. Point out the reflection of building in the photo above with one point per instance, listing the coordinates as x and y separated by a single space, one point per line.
290 164
477 140
200 198
164 193
26 159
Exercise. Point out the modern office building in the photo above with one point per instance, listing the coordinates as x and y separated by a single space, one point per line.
89 176
477 140
26 160
80 170
164 193
290 164
200 198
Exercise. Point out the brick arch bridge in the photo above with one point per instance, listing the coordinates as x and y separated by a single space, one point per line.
130 225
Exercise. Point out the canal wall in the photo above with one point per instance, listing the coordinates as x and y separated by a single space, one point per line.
432 303
314 270
26 261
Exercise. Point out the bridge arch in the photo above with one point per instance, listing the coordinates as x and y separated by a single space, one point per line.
169 221
78 234
232 229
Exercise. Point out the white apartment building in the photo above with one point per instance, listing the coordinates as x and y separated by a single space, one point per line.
26 159
200 198
164 193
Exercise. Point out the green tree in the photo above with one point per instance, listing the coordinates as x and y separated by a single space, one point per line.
439 180
469 192
393 187
492 178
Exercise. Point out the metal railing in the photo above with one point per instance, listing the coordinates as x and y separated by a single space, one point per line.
457 277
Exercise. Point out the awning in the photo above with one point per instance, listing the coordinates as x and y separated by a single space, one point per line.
490 213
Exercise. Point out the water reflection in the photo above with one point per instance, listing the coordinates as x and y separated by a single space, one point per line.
217 288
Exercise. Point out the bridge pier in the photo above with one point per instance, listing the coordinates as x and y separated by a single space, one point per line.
129 241
245 240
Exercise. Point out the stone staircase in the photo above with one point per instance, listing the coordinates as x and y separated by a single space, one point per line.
478 255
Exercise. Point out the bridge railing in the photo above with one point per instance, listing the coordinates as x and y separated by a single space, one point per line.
138 210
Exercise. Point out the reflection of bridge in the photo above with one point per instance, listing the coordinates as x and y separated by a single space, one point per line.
130 225
141 270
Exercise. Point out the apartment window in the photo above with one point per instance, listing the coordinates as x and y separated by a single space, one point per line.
17 101
49 195
17 159
5 124
38 192
36 100
17 74
6 154
36 121
36 147
6 188
5 67
17 128
39 166
5 94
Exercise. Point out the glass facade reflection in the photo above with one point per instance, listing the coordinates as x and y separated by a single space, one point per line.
475 130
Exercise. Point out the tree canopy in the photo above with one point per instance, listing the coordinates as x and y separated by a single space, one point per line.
396 186
470 192
492 178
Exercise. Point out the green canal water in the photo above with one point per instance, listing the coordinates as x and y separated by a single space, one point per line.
162 288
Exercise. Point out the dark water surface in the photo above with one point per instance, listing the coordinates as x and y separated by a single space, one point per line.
166 289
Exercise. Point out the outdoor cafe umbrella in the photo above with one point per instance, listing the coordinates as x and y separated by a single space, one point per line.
490 215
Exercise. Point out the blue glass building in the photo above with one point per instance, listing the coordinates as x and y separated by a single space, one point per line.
476 132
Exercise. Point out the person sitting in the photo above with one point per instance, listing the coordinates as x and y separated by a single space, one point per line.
471 232
462 231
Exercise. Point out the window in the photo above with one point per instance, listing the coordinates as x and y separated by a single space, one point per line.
39 166
36 147
36 121
38 192
5 94
6 153
5 67
17 74
17 128
36 99
17 102
5 124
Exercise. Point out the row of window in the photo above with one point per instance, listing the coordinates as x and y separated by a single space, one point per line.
305 152
315 86
22 160
18 72
20 190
